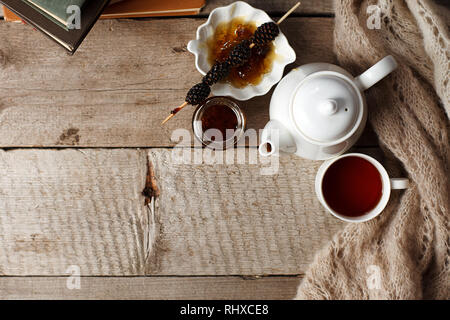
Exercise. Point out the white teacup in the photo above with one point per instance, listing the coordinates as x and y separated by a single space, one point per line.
387 185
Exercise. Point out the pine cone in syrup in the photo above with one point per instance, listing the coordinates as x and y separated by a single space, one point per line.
219 71
265 33
240 54
198 93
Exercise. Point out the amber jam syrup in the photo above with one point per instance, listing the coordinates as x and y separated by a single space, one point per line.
226 36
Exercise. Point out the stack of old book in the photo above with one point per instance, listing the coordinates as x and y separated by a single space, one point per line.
68 21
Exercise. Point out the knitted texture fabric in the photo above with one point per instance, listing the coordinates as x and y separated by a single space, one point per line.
404 252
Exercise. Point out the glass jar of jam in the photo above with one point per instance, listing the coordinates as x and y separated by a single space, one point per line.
218 123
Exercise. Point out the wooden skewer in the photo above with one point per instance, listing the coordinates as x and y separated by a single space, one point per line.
170 116
283 17
289 12
175 111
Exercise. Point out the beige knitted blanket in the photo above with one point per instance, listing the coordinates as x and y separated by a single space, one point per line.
404 253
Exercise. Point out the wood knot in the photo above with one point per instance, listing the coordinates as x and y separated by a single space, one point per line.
69 137
179 49
3 58
151 189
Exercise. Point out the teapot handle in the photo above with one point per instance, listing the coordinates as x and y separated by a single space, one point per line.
375 73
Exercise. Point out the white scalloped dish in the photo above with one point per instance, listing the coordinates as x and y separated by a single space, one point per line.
283 51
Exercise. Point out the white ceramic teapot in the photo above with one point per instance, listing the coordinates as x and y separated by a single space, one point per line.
318 110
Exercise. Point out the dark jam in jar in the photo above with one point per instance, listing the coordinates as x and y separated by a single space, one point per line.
226 36
220 117
218 123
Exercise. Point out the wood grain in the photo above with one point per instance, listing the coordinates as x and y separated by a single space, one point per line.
279 7
251 217
85 207
72 207
161 288
121 84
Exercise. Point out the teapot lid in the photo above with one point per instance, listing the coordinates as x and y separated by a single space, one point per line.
326 107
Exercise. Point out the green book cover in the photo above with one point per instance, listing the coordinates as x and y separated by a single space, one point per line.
56 10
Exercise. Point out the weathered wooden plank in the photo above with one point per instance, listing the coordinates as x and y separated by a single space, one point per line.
85 207
122 82
242 217
278 7
72 207
170 288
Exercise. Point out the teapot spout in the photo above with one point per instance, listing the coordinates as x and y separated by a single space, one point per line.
275 138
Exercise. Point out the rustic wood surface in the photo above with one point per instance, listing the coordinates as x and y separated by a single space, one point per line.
185 288
117 95
252 218
86 207
90 207
72 207
279 7
123 81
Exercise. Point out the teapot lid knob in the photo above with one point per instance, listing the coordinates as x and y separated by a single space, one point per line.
328 107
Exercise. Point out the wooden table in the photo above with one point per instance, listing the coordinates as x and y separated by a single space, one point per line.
81 140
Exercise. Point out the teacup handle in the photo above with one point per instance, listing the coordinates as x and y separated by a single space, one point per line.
375 73
399 183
